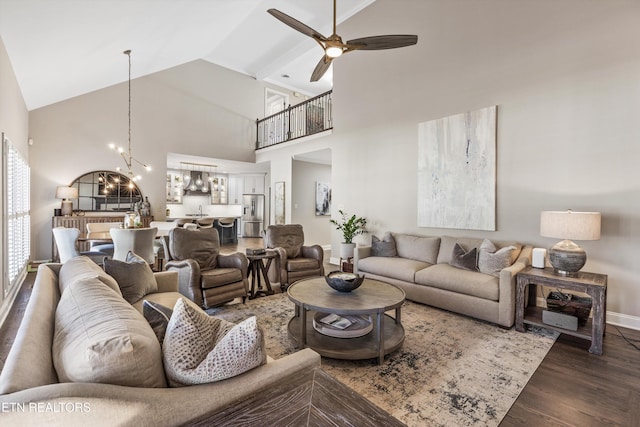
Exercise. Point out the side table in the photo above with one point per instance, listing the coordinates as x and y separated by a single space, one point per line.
258 271
595 285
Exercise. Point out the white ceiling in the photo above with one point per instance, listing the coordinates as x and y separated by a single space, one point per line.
64 48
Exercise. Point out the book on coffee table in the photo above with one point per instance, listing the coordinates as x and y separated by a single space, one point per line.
342 326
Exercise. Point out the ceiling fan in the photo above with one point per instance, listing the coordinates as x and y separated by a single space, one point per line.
333 45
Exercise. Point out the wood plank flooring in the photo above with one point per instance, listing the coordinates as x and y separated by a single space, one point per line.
570 388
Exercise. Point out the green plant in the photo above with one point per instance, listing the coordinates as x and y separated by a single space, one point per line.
350 227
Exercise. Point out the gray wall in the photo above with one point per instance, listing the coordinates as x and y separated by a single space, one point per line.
566 79
197 108
305 175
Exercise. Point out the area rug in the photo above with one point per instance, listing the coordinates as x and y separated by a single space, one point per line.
451 370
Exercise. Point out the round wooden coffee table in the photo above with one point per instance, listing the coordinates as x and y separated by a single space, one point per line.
372 298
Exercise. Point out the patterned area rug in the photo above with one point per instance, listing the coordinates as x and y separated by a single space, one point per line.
451 370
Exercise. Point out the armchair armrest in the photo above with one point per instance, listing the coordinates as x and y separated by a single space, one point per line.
314 251
188 278
236 260
359 253
167 281
507 293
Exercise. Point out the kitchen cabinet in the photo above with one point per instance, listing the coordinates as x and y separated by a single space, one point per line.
236 189
253 184
173 191
219 190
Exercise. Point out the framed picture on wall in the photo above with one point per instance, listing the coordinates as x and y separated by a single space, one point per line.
278 202
323 198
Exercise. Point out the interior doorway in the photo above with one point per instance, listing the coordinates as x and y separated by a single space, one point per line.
274 102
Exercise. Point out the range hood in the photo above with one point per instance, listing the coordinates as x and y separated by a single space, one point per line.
197 184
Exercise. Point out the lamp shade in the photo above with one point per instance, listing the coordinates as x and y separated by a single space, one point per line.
66 193
570 225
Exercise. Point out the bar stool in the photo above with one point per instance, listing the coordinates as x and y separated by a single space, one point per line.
205 222
226 224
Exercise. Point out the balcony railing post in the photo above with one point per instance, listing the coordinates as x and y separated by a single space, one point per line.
306 118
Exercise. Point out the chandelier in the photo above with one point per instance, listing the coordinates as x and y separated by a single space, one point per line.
127 156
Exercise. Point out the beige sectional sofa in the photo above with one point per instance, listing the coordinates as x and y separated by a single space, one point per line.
422 267
31 392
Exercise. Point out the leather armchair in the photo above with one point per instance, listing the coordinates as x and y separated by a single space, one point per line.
204 276
295 260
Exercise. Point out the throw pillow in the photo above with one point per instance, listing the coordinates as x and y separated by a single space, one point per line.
385 247
100 338
134 276
492 260
464 259
158 317
202 349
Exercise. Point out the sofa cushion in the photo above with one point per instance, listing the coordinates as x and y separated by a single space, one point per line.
134 276
101 338
492 260
385 247
202 349
158 317
202 245
82 267
461 258
393 267
450 278
418 248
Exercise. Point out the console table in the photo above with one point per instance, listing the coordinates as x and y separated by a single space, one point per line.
595 285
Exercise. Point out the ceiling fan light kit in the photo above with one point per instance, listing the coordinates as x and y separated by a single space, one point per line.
333 45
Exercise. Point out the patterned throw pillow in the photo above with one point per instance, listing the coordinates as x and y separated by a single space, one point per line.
158 317
464 259
385 247
201 349
492 260
134 276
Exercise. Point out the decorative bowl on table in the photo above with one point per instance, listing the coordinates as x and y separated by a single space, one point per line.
343 282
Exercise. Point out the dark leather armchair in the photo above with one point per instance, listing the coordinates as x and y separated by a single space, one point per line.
204 276
295 261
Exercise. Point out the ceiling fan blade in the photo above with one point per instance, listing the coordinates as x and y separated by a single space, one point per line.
382 42
321 68
296 25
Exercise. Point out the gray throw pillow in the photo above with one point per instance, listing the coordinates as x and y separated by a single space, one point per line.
385 247
492 260
464 259
134 276
158 317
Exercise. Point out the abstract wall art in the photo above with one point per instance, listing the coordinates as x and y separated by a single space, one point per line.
457 171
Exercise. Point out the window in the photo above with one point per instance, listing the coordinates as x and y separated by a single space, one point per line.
106 191
17 240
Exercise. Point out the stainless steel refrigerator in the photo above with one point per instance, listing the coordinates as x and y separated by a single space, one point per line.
252 215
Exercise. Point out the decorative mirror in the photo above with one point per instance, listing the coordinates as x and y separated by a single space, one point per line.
105 191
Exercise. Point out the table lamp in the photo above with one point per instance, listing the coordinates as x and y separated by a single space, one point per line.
566 257
66 193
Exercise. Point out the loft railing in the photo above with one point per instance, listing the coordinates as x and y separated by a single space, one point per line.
307 118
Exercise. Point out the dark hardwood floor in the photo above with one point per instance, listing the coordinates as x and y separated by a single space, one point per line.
570 388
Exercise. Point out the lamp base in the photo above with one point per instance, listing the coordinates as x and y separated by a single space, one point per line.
66 208
567 258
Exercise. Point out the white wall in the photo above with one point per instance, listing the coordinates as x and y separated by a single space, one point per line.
14 123
566 79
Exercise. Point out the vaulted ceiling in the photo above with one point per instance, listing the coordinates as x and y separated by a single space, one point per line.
60 49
